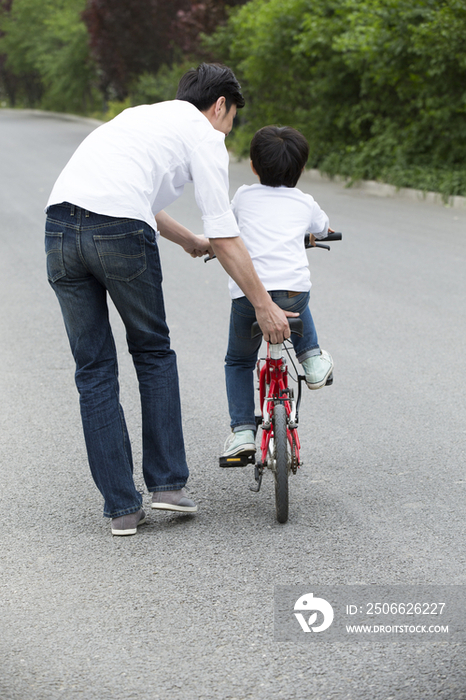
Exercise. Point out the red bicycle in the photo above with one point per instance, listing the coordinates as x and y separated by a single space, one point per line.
280 445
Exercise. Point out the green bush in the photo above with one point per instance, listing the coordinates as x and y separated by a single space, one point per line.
377 86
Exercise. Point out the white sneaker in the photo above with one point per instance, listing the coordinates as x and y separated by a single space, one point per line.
318 369
242 442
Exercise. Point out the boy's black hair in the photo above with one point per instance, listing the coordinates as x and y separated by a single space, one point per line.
202 86
279 154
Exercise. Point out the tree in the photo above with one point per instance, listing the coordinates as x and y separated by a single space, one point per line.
18 27
47 54
198 19
8 81
130 37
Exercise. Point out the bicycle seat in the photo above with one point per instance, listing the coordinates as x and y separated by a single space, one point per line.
296 326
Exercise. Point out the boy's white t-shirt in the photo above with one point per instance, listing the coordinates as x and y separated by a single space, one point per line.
273 222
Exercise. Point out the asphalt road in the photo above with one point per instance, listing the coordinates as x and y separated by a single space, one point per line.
185 608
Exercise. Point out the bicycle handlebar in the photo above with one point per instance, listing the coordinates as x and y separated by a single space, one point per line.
335 236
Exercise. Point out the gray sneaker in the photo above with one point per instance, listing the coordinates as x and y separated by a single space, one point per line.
242 442
128 524
318 369
173 500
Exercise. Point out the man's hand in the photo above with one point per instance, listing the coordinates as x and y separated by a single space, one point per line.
198 247
273 323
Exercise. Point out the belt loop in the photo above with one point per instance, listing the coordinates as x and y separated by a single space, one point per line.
87 214
72 210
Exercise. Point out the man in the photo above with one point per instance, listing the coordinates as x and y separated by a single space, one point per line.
104 216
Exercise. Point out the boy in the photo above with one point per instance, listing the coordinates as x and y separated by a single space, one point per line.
273 218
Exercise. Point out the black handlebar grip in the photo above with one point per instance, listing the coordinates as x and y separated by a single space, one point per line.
336 236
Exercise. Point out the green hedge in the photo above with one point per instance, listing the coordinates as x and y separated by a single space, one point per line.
377 86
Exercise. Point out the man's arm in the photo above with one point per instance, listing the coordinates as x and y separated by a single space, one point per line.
234 257
209 169
196 246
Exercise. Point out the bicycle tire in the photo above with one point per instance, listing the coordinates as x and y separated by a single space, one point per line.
281 462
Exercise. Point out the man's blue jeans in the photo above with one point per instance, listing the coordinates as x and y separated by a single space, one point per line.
242 352
88 256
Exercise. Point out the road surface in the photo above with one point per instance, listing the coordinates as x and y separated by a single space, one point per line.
185 608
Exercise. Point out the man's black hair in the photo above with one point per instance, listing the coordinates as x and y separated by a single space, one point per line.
203 86
279 154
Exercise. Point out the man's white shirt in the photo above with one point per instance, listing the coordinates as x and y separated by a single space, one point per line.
139 162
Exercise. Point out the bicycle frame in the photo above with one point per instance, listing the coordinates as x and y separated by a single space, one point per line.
273 389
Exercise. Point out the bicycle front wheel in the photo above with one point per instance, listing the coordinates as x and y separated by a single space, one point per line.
281 470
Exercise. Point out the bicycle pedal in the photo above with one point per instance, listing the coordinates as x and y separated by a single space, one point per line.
242 460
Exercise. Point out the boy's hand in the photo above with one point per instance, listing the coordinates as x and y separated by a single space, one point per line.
313 239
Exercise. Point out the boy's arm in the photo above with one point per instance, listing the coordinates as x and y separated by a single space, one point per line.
234 257
196 246
319 222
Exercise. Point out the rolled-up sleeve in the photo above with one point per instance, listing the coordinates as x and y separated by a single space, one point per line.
209 171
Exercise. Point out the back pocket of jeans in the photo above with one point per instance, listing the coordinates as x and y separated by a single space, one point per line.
54 252
122 256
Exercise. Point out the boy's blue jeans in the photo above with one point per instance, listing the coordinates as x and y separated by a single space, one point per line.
241 357
88 256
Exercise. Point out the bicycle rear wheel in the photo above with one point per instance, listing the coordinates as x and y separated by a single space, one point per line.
281 470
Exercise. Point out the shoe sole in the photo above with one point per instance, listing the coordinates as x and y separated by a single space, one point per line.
247 450
323 382
178 509
133 531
